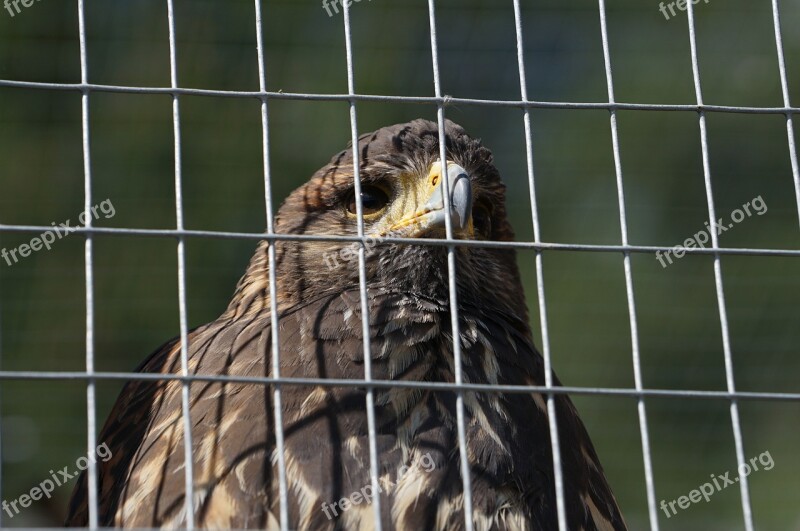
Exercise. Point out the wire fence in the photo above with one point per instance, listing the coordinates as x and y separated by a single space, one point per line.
442 101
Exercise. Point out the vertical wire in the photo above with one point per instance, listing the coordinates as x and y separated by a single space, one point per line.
776 18
723 315
623 224
451 278
558 473
283 490
362 278
185 385
91 407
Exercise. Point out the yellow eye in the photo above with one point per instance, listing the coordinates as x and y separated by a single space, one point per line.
373 200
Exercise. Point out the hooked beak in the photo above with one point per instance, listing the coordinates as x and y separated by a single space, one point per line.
431 215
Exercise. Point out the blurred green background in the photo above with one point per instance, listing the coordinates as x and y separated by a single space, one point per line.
42 306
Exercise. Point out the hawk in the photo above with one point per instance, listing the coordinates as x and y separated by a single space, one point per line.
320 336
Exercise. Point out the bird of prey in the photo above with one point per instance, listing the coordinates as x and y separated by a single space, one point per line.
327 457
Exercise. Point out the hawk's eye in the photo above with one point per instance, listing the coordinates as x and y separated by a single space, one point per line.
373 200
482 217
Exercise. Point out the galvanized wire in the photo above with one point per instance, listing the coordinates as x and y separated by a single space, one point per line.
558 474
404 384
422 100
723 314
436 242
441 101
776 19
623 225
182 310
374 470
91 407
283 489
451 279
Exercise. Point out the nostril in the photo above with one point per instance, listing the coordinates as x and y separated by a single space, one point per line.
435 180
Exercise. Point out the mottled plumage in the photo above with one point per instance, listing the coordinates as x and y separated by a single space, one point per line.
327 450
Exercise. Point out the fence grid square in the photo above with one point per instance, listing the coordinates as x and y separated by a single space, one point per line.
442 101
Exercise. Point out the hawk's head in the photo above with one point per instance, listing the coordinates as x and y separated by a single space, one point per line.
402 192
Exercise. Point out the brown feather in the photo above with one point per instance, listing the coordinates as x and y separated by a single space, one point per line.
325 428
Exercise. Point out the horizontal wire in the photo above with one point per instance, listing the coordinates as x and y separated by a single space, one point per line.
424 100
368 240
442 101
406 384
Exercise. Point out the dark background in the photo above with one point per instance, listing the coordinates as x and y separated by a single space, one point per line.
42 302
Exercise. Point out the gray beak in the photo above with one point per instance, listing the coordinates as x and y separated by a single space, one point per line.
460 197
460 201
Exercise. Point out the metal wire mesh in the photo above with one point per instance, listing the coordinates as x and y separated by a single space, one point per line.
442 101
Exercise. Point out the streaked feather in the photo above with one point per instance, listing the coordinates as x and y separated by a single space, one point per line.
325 428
